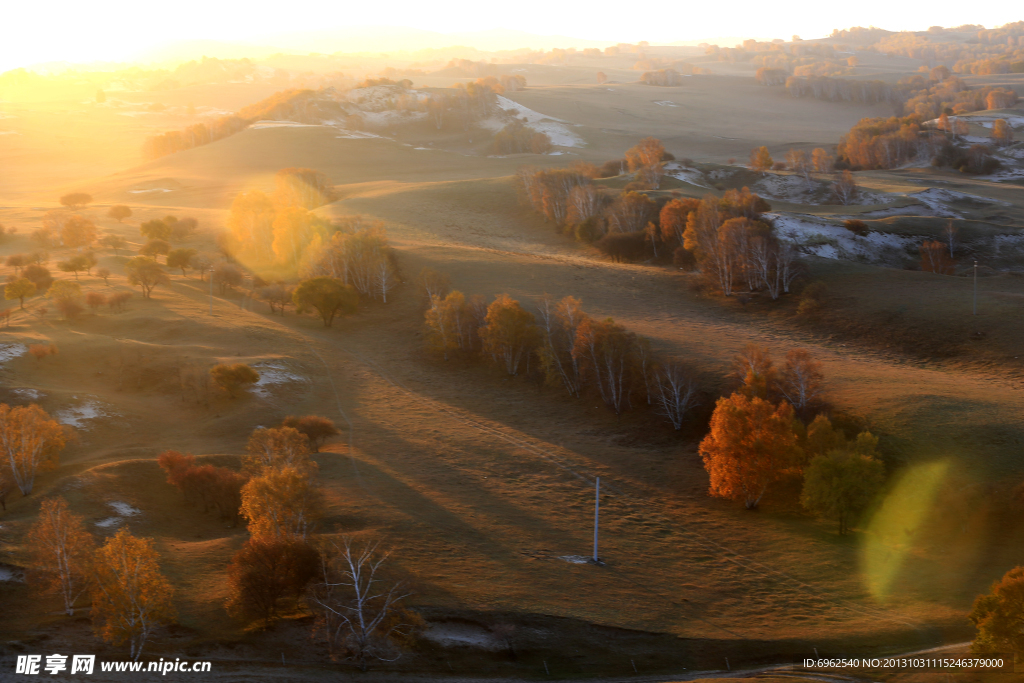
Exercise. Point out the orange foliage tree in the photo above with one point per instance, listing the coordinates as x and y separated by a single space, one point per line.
935 258
61 550
510 332
750 444
130 596
29 443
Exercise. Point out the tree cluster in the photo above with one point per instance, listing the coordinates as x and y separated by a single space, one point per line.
565 347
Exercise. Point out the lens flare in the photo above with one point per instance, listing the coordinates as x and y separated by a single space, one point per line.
896 524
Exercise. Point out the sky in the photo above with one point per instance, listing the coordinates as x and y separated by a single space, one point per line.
119 30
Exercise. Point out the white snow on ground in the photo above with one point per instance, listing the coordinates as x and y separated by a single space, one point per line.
30 394
667 103
676 170
575 559
9 573
272 374
936 198
283 124
152 189
356 135
9 351
836 242
76 416
556 129
122 510
9 132
448 635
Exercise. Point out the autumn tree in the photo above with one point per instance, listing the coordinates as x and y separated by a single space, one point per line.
75 264
749 445
645 158
251 221
842 482
61 552
608 354
6 486
155 247
1002 134
950 231
999 616
130 596
798 162
30 442
119 212
934 258
359 611
156 229
281 502
447 323
265 571
114 242
328 296
755 370
509 333
821 160
19 289
800 380
761 160
315 428
75 200
277 447
78 232
302 187
844 187
181 259
94 300
433 283
226 275
232 378
559 325
673 218
146 273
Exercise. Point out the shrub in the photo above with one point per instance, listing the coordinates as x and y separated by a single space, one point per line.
95 299
265 571
38 274
233 378
315 428
117 301
857 227
623 246
812 298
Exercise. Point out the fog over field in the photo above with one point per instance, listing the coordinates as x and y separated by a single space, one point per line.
480 348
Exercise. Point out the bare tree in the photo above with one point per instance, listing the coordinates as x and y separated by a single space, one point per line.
559 323
950 232
801 379
384 278
677 392
844 187
359 612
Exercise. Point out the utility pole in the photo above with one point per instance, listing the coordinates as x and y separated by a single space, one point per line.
975 288
597 513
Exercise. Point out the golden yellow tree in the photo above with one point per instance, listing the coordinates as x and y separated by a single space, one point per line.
510 333
281 503
29 443
251 222
61 552
761 160
447 321
130 596
277 447
750 444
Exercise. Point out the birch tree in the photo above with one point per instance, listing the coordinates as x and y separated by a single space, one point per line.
801 379
608 353
282 503
61 551
359 612
29 443
510 333
559 324
130 596
676 392
277 447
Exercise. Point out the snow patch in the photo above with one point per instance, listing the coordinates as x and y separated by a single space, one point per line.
9 132
76 416
283 124
272 374
151 189
356 135
575 559
122 510
454 635
554 128
676 170
830 241
11 351
667 103
10 573
30 394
